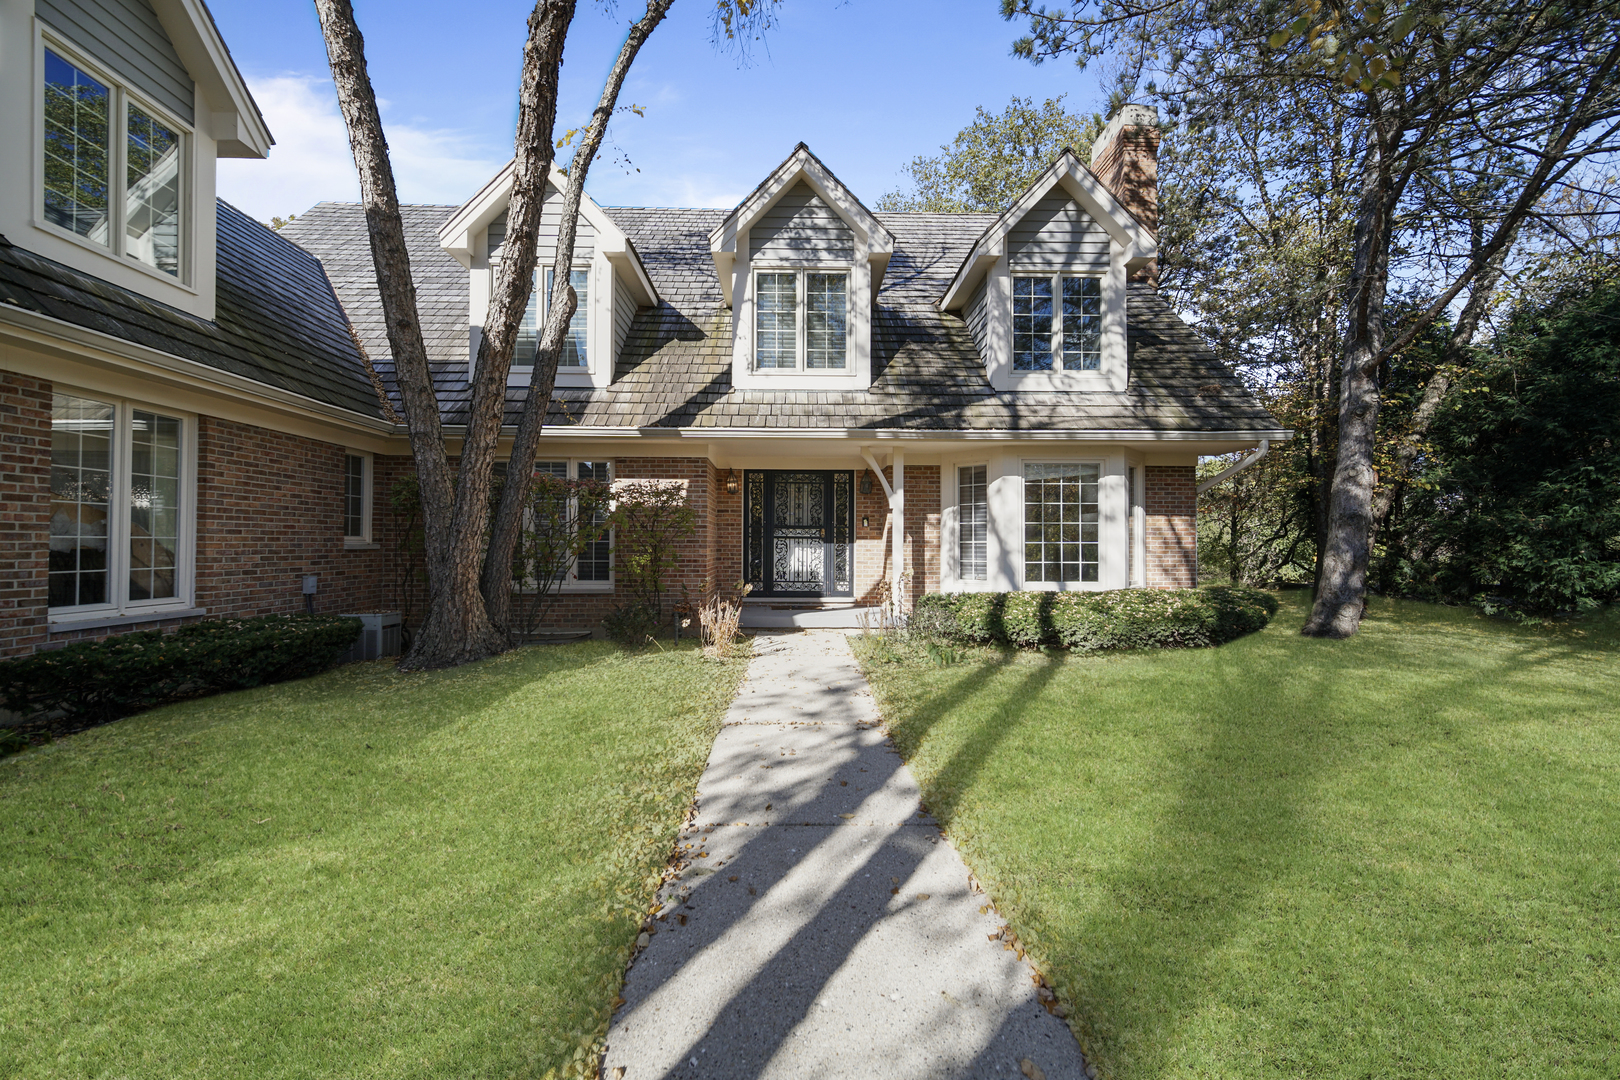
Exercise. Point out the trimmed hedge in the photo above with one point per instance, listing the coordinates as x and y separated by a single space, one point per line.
96 681
1090 621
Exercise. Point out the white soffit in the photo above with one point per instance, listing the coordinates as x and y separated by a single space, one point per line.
458 236
1079 183
802 164
235 120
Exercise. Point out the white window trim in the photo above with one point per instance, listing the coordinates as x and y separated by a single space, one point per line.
801 328
368 486
120 97
571 582
1055 277
1020 556
120 606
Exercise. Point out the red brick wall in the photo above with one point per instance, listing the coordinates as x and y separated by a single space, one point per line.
25 510
874 546
1172 532
1129 167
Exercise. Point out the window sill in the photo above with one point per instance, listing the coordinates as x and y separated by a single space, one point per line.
587 587
354 543
67 624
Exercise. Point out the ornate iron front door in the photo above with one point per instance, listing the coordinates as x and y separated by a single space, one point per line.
798 532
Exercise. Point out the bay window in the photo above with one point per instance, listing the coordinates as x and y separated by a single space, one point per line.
1057 323
112 167
1060 521
574 355
801 320
118 513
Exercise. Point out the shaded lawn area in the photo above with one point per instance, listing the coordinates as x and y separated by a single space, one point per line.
1396 856
364 874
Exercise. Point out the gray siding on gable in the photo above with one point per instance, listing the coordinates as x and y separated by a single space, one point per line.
1056 233
126 37
624 313
550 225
977 314
801 228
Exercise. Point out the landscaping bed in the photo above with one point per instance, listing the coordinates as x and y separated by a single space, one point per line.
1393 856
362 874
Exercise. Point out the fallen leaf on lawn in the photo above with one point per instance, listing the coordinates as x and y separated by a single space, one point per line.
922 896
733 877
984 909
616 1003
618 1074
894 892
846 817
1031 1070
843 783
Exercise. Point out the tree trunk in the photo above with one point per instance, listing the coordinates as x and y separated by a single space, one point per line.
457 628
496 586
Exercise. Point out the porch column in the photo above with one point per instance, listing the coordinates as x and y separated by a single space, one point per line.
897 509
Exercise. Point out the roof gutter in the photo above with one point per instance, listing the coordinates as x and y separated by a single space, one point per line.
1265 447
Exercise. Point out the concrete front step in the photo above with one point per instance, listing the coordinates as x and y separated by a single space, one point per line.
809 614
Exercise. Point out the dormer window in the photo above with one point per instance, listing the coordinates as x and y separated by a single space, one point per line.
575 349
1067 338
112 167
801 320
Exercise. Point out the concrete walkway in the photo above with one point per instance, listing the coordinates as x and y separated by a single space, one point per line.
822 926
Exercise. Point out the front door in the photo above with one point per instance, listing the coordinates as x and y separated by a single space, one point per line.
798 532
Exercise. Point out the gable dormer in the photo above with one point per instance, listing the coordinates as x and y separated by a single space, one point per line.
1043 290
800 262
607 274
112 114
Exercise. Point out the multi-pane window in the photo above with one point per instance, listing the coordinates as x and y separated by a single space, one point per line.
85 122
972 522
574 353
356 488
1064 336
1060 522
115 504
801 320
595 563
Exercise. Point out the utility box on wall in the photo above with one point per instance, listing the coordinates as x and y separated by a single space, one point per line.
379 638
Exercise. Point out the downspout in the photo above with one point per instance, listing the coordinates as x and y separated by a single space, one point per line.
896 495
1265 446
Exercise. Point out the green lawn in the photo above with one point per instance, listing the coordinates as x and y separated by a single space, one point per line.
365 874
1396 856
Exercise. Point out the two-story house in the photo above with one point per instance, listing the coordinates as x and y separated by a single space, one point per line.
855 402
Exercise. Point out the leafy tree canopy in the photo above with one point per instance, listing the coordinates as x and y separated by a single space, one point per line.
993 159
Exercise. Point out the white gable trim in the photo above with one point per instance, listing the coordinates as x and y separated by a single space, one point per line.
1137 244
460 234
234 118
872 236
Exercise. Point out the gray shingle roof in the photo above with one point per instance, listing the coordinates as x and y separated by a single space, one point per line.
277 320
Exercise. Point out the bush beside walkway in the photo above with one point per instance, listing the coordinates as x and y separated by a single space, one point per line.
364 874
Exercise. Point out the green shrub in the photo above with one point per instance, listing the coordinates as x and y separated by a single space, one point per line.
1091 621
632 624
96 681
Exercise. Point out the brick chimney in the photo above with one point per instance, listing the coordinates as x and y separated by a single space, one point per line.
1125 158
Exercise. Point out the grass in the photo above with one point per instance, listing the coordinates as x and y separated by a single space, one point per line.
1395 856
365 874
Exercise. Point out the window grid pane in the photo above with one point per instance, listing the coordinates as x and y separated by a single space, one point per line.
825 321
972 511
152 197
77 120
1082 324
573 347
596 561
154 505
1060 522
776 311
354 495
528 335
81 490
1032 323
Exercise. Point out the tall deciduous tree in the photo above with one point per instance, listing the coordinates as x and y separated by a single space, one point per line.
1475 114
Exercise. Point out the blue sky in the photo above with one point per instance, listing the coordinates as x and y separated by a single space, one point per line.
868 84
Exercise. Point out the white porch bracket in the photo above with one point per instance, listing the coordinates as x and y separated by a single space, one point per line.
1227 474
896 494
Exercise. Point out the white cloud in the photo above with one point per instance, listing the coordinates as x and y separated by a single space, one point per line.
311 161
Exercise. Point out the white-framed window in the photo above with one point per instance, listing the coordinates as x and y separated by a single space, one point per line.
575 351
1057 323
801 320
593 569
1061 521
121 518
357 486
972 522
113 167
